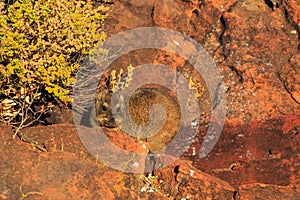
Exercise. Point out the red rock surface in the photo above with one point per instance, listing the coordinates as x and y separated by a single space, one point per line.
256 160
259 152
256 49
67 171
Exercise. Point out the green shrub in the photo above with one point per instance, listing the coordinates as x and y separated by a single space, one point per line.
42 44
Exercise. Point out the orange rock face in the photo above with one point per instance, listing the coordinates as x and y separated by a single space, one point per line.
256 160
255 47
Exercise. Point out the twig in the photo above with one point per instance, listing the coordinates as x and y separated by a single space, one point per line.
33 143
30 193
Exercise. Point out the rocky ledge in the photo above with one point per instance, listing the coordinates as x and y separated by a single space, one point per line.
256 160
